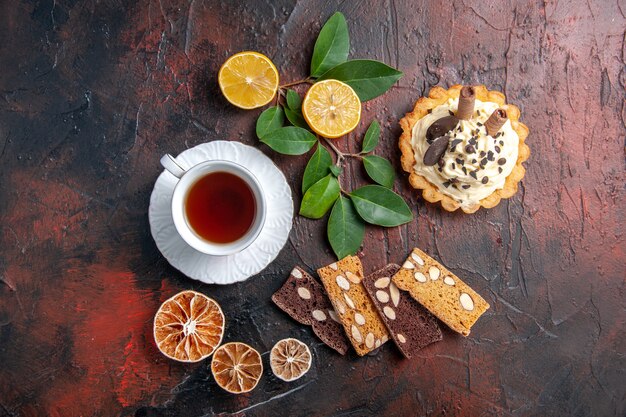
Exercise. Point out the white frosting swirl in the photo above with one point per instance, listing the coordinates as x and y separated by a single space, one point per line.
492 161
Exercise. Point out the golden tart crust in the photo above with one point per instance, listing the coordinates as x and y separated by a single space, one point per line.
436 97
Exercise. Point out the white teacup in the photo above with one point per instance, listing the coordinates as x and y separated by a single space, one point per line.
187 178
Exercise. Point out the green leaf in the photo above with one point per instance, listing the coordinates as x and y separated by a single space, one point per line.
320 197
332 45
370 141
296 118
380 170
368 78
290 140
345 228
381 206
270 120
317 167
336 170
293 100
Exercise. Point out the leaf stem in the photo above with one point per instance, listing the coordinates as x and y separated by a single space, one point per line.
341 155
306 80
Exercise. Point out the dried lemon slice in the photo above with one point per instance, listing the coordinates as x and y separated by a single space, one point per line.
290 359
188 327
236 367
331 108
248 80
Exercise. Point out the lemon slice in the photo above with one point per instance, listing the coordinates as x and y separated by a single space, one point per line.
188 327
236 367
290 359
331 108
248 80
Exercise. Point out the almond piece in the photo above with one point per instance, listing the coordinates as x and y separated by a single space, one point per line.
342 282
296 273
360 320
408 265
382 282
466 301
369 340
448 280
304 293
395 294
434 272
318 315
417 259
353 277
349 301
382 296
420 277
389 313
356 334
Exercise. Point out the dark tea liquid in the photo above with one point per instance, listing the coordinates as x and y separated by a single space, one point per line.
220 207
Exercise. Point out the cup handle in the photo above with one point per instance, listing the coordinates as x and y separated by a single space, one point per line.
172 166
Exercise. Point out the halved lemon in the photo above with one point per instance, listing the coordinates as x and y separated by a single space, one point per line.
236 367
188 327
331 108
290 359
248 80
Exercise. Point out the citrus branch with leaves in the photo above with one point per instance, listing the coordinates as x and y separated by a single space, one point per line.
288 128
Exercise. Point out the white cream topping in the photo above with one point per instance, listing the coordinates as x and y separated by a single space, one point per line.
451 179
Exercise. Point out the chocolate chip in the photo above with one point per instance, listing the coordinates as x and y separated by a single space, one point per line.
473 175
482 153
454 143
440 127
430 111
458 161
441 163
446 184
473 161
501 143
464 170
478 124
451 112
436 150
453 166
501 161
453 180
470 149
498 134
465 186
490 156
485 180
483 161
499 170
497 148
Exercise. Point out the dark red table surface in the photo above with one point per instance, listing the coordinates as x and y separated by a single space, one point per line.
94 92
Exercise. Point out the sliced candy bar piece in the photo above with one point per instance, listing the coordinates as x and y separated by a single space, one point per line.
361 321
410 325
305 300
440 291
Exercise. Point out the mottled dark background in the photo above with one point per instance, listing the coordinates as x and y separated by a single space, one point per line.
94 92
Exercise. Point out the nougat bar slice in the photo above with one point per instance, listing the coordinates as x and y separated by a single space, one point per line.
440 291
361 321
305 300
410 325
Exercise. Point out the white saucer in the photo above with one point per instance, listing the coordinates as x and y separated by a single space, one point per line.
253 259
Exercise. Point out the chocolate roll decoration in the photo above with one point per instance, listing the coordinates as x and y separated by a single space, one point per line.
467 98
497 119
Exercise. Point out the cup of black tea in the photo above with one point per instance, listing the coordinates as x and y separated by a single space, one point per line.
218 206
